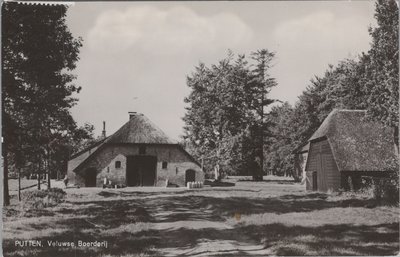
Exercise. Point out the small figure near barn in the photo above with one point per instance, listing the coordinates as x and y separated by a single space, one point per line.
347 147
65 180
138 154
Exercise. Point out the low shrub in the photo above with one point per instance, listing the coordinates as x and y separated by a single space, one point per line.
383 189
387 189
39 199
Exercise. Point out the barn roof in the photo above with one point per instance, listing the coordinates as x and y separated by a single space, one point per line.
140 130
302 148
91 146
358 144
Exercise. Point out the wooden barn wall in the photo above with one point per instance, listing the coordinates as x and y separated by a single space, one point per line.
321 160
311 165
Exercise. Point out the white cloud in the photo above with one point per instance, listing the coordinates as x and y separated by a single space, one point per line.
172 30
306 45
323 30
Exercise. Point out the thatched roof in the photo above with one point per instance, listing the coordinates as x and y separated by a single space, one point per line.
140 130
91 146
358 144
302 148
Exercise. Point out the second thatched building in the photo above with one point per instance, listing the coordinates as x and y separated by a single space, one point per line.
347 147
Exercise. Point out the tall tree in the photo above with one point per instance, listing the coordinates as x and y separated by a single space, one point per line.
225 119
381 77
279 158
260 87
39 53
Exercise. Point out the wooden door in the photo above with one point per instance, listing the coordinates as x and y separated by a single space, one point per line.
190 176
314 181
90 177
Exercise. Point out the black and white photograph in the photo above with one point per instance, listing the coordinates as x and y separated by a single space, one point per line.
200 128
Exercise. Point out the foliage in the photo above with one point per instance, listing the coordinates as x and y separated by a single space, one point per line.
381 76
225 118
369 82
279 158
339 87
387 189
39 54
381 79
39 199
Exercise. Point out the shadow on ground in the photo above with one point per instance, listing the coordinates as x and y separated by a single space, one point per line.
171 219
277 181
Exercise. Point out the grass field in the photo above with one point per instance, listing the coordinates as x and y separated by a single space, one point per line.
273 217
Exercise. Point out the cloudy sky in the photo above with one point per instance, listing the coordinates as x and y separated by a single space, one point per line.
136 55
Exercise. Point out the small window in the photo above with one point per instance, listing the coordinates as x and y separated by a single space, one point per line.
117 164
164 165
142 149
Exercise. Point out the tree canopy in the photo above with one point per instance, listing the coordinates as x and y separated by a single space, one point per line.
226 104
39 54
226 111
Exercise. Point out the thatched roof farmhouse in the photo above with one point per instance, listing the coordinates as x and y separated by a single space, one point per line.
347 145
138 154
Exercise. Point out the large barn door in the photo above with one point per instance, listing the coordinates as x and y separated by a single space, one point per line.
90 177
141 170
132 172
148 170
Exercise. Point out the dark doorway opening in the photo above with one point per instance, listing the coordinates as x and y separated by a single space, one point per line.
90 177
190 176
141 170
314 181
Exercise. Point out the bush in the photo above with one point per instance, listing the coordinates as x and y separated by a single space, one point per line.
384 190
387 189
39 199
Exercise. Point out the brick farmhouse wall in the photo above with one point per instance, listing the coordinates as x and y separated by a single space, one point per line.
73 163
104 163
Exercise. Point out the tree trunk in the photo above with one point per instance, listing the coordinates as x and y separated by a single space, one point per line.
48 180
48 172
38 175
257 173
261 171
19 184
6 195
298 170
396 138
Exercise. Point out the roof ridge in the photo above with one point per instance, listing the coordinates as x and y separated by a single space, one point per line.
95 143
139 129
